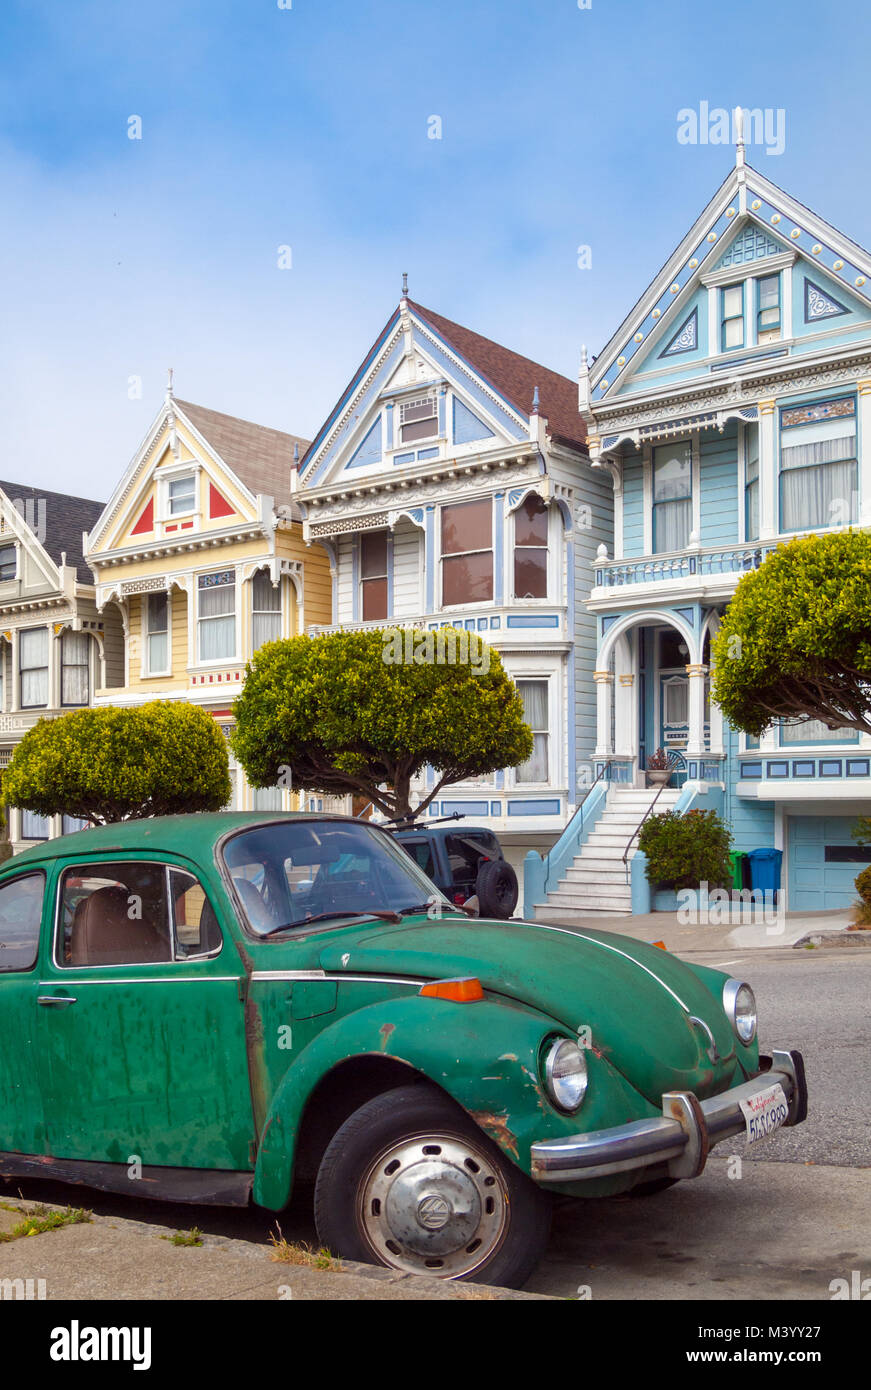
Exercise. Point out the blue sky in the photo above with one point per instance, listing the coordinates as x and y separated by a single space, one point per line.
308 127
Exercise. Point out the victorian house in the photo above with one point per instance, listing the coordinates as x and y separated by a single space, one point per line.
731 410
451 486
55 647
198 559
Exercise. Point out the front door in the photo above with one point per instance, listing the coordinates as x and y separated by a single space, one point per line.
140 1020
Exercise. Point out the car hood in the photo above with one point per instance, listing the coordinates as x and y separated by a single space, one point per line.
636 1000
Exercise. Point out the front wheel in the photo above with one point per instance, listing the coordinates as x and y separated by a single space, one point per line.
411 1183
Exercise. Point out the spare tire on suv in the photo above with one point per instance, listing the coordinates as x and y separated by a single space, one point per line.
496 889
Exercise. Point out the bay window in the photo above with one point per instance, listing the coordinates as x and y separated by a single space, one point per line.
467 552
672 496
216 620
373 575
530 549
156 634
33 667
75 651
265 610
818 465
534 694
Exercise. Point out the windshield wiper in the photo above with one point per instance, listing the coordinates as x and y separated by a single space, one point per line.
385 914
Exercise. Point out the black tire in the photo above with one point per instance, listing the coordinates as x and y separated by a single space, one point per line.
498 1222
496 889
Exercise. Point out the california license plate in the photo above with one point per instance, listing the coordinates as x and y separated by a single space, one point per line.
765 1112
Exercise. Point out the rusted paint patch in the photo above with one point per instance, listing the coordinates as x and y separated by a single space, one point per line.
385 1030
497 1128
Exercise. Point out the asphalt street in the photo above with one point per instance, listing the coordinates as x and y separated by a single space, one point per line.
792 1217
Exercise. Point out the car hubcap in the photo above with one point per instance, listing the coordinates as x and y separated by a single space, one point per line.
433 1205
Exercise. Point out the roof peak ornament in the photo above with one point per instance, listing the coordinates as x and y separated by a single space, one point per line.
738 128
405 284
169 383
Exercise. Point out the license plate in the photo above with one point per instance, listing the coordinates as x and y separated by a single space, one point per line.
765 1112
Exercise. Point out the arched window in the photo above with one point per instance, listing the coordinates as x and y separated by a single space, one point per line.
265 610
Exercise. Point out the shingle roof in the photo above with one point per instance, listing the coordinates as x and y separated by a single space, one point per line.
260 457
515 377
58 523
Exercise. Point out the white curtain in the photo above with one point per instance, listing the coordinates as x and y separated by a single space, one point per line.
267 798
673 525
33 660
677 701
813 731
535 712
34 827
217 622
266 610
821 495
75 652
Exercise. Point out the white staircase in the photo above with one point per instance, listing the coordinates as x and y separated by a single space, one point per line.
597 883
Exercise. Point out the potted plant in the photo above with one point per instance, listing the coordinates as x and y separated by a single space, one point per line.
659 768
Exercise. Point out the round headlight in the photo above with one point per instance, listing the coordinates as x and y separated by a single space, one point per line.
565 1074
739 1001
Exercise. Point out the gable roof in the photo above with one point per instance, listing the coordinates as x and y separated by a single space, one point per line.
515 377
261 458
64 520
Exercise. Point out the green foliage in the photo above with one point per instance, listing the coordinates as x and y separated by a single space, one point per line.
863 886
685 851
796 639
862 830
109 764
343 717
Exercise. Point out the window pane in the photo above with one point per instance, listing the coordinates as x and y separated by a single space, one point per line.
34 827
7 562
530 523
672 472
33 648
823 496
753 510
374 599
467 578
20 916
217 601
195 925
672 522
181 495
157 652
530 573
733 301
467 526
158 609
373 555
814 731
115 914
266 596
217 639
535 768
769 291
733 333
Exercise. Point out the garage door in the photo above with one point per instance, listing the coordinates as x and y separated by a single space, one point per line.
824 859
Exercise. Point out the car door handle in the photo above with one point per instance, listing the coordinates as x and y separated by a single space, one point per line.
56 1000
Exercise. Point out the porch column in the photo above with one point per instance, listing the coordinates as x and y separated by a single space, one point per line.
604 683
625 703
696 735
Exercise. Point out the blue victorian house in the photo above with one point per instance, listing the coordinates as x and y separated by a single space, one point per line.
731 410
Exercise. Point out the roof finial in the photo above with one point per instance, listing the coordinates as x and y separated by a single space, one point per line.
295 454
535 400
738 126
169 383
405 284
584 363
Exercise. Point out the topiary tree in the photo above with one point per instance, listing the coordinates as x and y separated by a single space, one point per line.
684 851
795 643
365 712
103 765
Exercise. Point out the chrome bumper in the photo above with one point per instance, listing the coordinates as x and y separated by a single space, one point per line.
682 1137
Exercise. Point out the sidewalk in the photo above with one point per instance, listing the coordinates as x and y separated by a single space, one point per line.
682 938
110 1258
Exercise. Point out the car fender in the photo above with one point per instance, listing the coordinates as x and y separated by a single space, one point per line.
486 1055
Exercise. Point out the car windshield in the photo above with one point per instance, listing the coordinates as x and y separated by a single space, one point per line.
293 872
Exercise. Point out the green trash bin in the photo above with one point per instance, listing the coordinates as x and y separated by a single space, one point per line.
737 861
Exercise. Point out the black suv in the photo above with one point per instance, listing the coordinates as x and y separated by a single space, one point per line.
466 864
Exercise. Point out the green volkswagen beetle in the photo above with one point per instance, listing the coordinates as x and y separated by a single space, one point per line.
211 1008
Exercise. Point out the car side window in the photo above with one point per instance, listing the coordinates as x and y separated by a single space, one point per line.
133 914
20 918
421 852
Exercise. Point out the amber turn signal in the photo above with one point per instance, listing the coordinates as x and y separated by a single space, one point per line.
661 944
464 991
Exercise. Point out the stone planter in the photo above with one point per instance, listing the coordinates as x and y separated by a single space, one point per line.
658 778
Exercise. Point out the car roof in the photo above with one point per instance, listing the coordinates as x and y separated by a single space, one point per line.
192 835
455 828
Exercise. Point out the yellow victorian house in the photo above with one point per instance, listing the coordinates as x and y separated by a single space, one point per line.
199 556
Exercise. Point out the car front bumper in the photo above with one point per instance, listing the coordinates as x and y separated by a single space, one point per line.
681 1137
